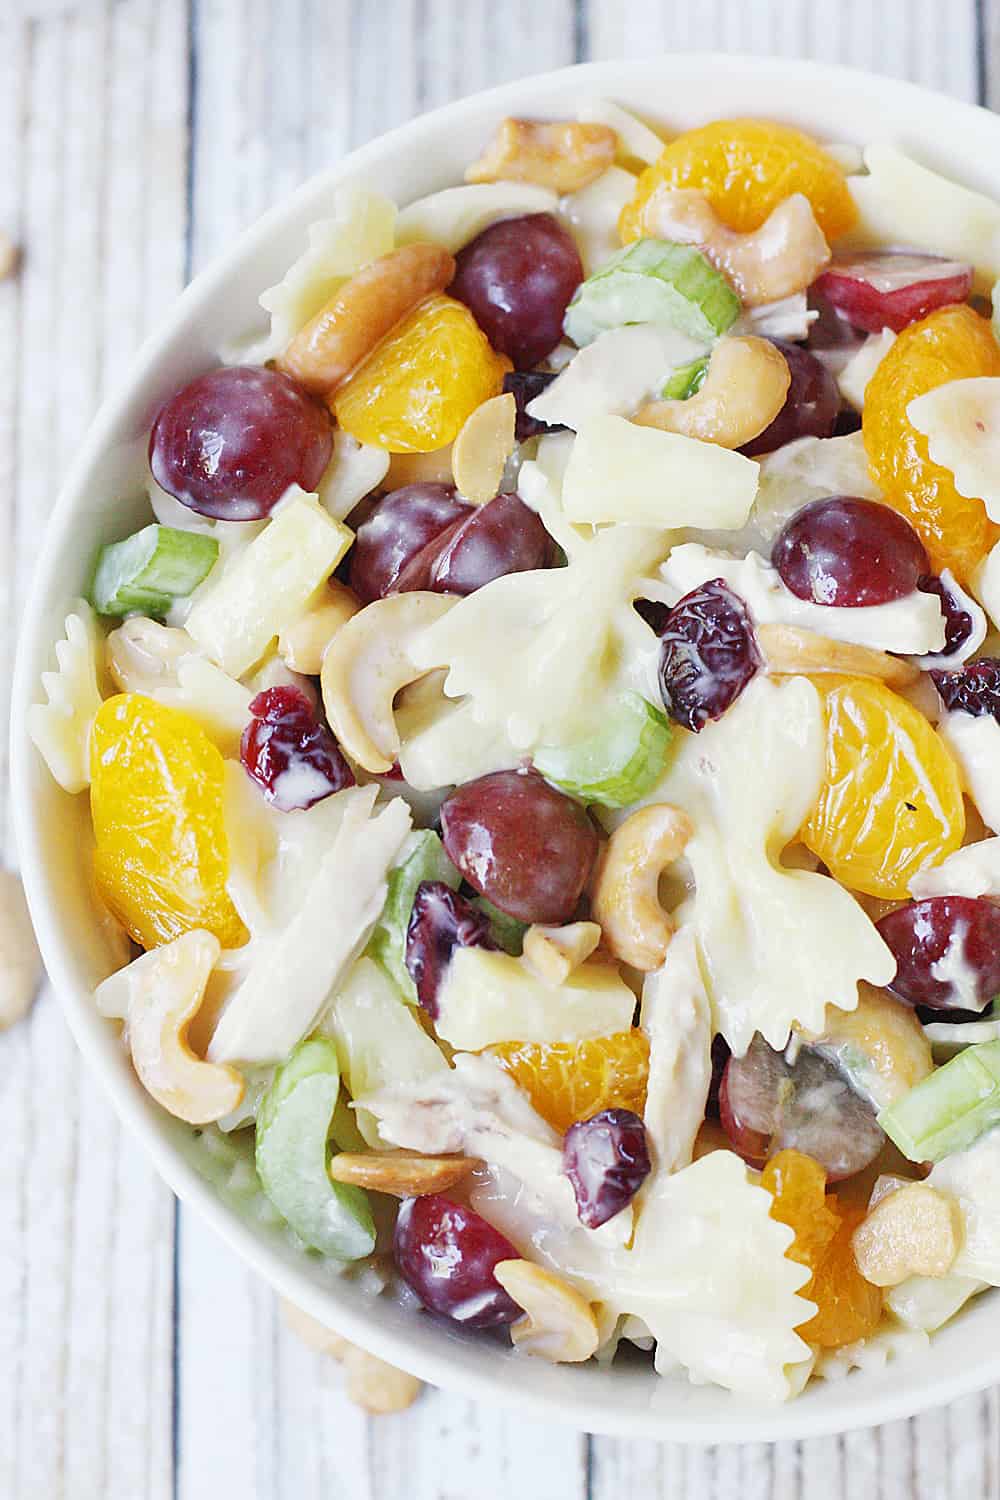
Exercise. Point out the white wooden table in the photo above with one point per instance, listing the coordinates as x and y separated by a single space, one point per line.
138 1359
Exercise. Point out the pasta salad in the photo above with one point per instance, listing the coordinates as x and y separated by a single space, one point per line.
543 750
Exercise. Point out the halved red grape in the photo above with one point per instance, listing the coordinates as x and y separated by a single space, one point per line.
708 654
811 406
524 386
606 1159
520 843
229 444
395 546
891 289
947 952
958 623
441 921
501 537
973 690
294 760
446 1253
848 552
517 278
767 1104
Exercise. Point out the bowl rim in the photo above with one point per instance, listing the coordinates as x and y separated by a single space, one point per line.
431 1358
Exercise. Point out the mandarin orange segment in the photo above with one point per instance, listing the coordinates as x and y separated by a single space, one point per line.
746 168
891 799
847 1306
415 390
953 343
569 1081
161 859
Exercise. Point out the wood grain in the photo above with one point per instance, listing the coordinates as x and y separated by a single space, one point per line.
116 201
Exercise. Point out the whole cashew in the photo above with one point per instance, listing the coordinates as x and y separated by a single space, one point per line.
302 644
166 988
624 897
912 1231
787 649
558 1324
361 313
554 952
782 257
365 666
743 391
399 1175
564 155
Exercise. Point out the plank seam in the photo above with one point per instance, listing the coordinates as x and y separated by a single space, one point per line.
982 57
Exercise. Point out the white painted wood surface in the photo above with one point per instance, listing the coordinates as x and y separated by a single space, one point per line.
138 1360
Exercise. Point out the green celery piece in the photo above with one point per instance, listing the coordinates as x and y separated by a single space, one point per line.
653 281
150 569
293 1126
950 1108
508 931
685 381
425 860
619 764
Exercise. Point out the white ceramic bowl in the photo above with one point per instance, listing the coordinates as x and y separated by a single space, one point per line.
52 828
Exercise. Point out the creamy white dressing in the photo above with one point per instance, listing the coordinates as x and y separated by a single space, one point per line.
911 624
972 871
974 741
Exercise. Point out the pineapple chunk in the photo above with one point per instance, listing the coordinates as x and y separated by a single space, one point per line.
269 584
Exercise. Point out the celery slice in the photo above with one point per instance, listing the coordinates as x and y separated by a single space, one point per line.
293 1124
619 764
508 931
423 859
950 1108
685 381
653 281
150 569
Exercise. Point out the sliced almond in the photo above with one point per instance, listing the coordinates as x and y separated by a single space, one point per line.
558 1324
401 1176
787 650
483 447
564 155
554 952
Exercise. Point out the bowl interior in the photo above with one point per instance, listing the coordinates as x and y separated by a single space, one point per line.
676 91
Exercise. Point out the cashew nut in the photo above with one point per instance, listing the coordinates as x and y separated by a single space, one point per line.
624 898
913 1231
782 257
482 448
371 1384
554 952
20 961
302 644
166 989
401 1176
558 1324
743 391
365 666
564 155
361 313
787 649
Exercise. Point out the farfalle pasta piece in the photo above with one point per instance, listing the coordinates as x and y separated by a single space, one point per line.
614 375
593 214
961 422
901 202
60 728
777 945
354 471
677 1017
974 741
457 215
360 230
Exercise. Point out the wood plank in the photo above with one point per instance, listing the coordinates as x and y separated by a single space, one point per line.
92 123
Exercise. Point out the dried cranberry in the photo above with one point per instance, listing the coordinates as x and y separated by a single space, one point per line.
958 623
708 654
440 922
294 759
947 952
524 386
446 1253
974 690
606 1159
